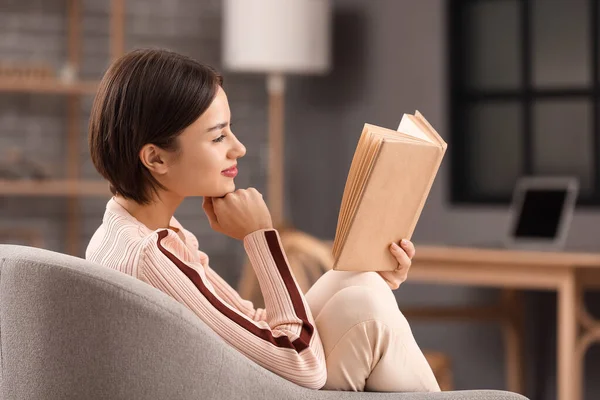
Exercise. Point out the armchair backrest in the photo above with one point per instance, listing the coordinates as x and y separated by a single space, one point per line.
73 329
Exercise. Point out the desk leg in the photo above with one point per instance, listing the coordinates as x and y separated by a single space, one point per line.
567 383
590 334
512 329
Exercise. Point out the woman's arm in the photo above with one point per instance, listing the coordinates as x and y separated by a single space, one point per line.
229 294
286 342
223 289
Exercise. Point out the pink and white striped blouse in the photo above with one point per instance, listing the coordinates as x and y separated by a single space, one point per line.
282 337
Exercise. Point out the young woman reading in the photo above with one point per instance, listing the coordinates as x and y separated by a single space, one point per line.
160 132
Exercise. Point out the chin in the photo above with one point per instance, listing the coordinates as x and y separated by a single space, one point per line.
224 191
218 189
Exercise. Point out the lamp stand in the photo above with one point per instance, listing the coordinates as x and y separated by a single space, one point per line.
276 166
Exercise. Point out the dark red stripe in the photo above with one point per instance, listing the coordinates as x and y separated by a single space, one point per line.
282 341
288 280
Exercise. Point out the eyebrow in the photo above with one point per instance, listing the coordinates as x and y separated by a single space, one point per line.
220 125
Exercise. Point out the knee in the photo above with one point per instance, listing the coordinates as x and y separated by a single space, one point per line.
355 304
375 281
345 279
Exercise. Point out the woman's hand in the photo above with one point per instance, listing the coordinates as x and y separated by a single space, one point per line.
404 254
238 213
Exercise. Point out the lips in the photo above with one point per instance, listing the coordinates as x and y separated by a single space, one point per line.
230 172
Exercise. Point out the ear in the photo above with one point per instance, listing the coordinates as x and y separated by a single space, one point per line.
154 158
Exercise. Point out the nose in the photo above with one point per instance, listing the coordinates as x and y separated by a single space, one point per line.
238 150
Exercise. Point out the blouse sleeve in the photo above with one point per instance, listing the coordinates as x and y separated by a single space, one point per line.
229 294
285 341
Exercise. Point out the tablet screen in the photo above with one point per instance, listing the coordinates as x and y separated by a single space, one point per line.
541 213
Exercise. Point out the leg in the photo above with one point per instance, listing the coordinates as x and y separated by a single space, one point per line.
590 334
367 341
567 333
512 329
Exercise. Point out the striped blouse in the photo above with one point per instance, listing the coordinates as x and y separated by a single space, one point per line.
282 337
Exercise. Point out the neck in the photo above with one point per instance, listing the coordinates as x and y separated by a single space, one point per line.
156 215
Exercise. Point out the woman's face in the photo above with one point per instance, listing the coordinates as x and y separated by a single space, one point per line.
207 148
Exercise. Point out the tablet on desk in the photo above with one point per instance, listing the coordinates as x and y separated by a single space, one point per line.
541 213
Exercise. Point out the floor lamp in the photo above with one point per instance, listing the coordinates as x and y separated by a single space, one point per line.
279 38
276 38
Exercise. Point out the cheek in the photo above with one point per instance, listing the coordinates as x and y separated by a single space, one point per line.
207 159
204 165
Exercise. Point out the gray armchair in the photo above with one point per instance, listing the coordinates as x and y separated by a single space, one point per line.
70 329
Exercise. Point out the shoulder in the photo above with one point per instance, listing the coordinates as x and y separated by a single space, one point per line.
191 241
118 243
190 238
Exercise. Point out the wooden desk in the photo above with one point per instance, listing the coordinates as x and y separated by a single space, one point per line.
567 273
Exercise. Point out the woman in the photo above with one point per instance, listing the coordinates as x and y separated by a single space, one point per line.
160 132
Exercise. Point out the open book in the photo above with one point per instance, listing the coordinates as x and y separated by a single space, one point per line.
387 185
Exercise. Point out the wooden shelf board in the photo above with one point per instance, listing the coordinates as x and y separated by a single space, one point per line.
89 188
47 86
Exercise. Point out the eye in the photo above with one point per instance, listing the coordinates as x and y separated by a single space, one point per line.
219 139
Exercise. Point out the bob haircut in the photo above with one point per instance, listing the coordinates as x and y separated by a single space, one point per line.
146 96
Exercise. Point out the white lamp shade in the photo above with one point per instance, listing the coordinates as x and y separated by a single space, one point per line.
281 36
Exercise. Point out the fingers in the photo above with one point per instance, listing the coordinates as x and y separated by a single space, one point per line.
229 200
401 256
408 247
207 203
209 210
208 206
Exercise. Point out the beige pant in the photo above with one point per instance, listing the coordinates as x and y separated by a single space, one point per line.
368 343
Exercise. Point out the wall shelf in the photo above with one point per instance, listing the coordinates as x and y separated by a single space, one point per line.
32 188
15 85
74 187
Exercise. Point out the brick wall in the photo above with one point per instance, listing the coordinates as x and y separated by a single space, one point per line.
35 30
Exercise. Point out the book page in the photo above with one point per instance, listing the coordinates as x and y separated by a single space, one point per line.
409 127
430 129
355 166
390 134
355 186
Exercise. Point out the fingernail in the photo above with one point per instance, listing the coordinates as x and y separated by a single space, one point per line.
395 246
404 242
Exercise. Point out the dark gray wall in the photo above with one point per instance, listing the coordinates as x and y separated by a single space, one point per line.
390 58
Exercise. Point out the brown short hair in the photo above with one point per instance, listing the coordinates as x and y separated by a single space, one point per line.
146 96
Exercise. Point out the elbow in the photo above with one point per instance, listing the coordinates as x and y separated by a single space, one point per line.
315 380
315 375
321 377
